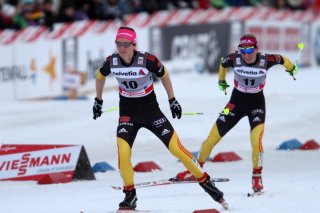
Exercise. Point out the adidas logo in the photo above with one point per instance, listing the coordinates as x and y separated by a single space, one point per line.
222 118
123 130
164 132
256 119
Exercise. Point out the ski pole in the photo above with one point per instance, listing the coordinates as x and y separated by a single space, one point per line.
111 109
184 113
300 46
192 113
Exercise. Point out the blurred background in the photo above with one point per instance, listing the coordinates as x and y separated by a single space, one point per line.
52 48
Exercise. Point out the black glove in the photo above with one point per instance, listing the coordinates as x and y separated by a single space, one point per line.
175 108
97 106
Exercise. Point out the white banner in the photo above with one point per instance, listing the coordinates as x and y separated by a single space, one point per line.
32 163
315 45
282 38
7 73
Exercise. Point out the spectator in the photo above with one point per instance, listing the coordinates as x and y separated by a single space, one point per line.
236 3
163 4
28 13
279 4
291 4
19 14
108 9
18 19
135 6
295 4
183 3
66 12
219 4
6 13
204 4
35 10
86 6
49 16
81 10
150 6
124 6
254 2
2 18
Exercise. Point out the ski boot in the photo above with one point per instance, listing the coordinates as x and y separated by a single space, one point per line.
130 200
213 191
257 185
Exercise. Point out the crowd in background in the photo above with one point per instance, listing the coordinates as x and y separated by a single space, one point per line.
18 14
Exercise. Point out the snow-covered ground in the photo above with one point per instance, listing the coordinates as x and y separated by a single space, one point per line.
291 178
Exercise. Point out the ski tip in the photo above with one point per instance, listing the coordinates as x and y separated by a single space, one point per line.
116 187
253 194
220 179
225 205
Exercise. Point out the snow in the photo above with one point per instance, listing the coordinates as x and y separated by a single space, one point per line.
290 177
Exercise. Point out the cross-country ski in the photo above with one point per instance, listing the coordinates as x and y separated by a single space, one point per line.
168 181
128 211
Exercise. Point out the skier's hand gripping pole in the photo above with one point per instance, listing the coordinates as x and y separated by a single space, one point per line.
223 85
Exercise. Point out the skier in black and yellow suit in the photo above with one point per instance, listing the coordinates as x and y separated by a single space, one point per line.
139 108
247 99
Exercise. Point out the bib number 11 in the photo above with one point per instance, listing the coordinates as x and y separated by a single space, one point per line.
247 81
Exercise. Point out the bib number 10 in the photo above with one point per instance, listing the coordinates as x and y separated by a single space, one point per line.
130 84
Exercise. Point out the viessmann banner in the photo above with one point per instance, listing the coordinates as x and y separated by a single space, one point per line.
207 41
34 162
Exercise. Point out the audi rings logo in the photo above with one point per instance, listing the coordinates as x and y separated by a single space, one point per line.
159 122
317 47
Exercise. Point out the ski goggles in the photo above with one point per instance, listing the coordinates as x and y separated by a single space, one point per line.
246 50
123 44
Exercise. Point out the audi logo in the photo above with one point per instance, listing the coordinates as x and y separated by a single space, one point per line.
160 121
